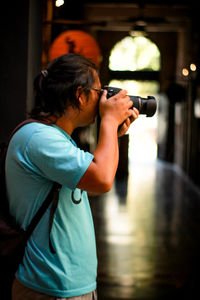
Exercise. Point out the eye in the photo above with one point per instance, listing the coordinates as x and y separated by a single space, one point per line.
97 90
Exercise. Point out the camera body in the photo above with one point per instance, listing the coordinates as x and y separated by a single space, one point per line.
146 106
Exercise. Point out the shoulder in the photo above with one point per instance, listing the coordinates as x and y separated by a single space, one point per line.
38 132
37 129
37 137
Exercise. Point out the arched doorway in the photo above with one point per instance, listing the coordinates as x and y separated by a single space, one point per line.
134 65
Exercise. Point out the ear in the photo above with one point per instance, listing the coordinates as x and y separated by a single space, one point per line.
80 95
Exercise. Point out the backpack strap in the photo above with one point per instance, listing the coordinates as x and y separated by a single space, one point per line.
56 189
52 197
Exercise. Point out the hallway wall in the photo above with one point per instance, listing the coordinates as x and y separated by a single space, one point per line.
20 26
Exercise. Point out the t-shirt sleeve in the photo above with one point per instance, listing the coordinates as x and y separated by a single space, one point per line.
54 156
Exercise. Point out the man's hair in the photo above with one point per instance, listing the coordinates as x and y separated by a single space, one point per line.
55 88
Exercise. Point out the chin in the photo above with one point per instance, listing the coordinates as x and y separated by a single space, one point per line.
92 121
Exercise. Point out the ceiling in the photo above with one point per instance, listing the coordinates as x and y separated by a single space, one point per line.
123 15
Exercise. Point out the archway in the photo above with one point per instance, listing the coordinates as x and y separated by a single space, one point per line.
134 65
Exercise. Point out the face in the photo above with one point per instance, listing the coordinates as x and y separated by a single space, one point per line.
89 108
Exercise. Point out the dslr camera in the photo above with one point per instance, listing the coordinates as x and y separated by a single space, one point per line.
146 106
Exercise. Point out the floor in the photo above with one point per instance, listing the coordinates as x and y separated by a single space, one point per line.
148 235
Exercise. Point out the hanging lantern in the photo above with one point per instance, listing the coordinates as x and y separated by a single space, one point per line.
76 41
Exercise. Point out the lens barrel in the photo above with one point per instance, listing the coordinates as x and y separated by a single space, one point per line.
146 106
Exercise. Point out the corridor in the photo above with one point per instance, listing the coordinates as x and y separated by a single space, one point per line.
148 235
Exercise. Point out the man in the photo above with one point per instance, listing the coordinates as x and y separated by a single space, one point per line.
66 97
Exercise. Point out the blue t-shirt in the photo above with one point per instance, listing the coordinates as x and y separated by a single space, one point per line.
39 154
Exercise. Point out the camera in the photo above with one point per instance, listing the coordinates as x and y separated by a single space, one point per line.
146 106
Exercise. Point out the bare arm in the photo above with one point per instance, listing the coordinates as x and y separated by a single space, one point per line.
100 174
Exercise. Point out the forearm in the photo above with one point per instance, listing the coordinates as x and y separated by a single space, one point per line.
101 172
106 155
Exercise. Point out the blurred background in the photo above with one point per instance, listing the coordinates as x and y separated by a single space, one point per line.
148 225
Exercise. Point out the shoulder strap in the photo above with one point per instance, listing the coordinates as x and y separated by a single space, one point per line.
55 189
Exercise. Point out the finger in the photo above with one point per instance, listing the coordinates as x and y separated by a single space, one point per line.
136 111
127 122
130 103
126 125
131 118
122 130
134 114
121 94
104 96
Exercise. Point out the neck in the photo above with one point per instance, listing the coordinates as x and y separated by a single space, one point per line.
67 122
65 125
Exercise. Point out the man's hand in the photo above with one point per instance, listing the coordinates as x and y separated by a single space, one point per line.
125 126
117 108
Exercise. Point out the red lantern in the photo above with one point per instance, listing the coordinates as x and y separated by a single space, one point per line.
76 41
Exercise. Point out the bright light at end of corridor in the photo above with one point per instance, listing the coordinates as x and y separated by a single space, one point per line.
59 3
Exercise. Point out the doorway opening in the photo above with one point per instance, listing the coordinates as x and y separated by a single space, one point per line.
134 65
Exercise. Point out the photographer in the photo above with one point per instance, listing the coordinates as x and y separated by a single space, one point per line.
66 97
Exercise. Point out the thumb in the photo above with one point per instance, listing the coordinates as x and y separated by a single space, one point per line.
104 95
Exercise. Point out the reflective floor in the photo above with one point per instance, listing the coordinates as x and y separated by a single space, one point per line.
148 235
